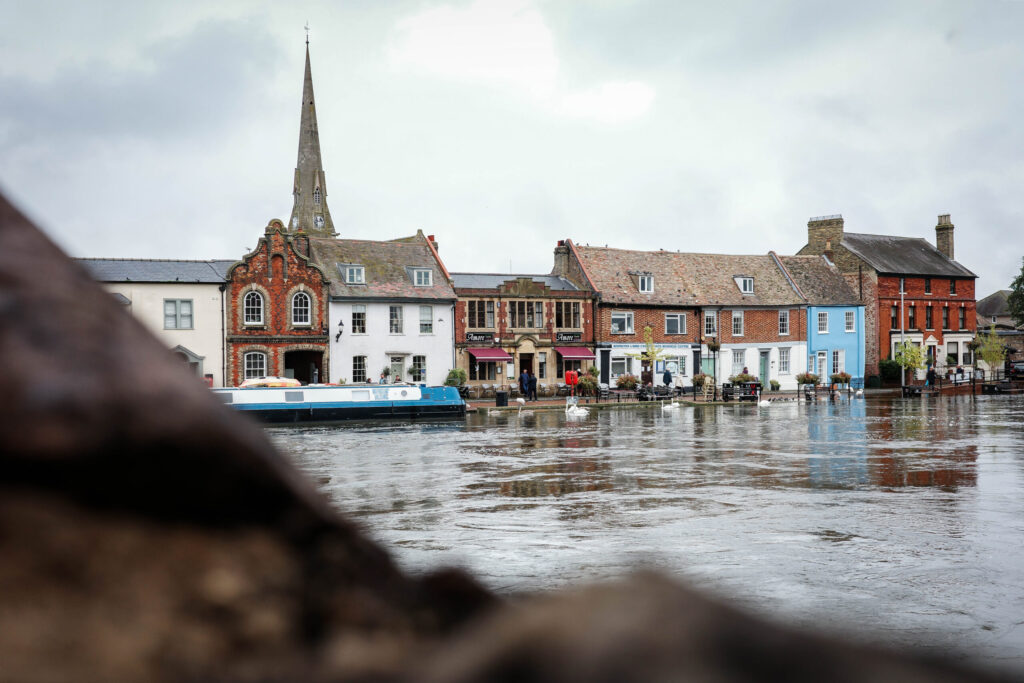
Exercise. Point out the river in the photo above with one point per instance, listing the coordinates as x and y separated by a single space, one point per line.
893 521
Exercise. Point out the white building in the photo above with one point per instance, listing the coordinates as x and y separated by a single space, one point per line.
180 302
391 309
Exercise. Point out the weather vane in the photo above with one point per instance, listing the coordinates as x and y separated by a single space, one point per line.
307 32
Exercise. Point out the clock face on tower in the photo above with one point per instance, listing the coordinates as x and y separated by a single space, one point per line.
319 221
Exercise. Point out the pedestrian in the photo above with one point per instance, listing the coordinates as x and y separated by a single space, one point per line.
929 379
524 383
531 387
667 378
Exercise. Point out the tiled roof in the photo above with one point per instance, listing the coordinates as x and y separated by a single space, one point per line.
682 279
994 304
899 255
156 270
495 280
387 268
820 282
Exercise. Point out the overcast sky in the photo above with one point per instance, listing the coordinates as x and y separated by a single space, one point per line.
171 130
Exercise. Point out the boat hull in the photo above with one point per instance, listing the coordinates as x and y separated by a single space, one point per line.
338 404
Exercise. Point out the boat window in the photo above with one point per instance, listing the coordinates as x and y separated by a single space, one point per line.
293 396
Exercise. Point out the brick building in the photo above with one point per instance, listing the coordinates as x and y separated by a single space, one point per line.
746 304
911 290
507 324
277 311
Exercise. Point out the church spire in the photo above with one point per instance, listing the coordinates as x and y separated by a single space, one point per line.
309 212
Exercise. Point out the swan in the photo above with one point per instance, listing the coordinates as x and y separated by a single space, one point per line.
860 392
764 403
670 406
522 402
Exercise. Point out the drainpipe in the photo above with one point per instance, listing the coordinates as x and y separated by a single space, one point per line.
903 371
223 341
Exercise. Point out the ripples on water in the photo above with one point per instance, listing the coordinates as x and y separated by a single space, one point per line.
901 520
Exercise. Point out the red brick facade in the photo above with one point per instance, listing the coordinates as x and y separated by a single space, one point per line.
277 270
919 295
524 344
643 318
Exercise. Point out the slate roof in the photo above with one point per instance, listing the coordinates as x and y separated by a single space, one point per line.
994 304
903 255
819 281
495 280
683 279
387 268
156 270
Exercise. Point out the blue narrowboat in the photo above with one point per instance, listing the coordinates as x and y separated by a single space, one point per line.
328 403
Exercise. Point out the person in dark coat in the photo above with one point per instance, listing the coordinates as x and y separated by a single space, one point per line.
930 377
667 378
532 387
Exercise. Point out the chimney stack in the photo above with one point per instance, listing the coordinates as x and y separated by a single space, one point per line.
824 233
944 236
561 259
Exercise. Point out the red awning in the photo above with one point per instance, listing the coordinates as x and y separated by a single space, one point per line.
575 352
490 355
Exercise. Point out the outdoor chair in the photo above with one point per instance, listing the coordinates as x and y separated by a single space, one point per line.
603 392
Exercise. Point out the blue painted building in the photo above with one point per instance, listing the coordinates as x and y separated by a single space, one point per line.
835 317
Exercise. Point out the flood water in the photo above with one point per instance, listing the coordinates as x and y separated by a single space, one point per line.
899 521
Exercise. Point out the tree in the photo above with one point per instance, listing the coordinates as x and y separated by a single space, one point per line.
909 357
649 356
991 349
1016 299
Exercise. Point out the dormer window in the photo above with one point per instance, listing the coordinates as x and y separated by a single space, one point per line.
355 275
645 283
746 284
422 277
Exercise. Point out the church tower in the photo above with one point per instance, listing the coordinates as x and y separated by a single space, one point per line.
309 212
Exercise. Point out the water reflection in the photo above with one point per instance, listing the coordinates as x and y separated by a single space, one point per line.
900 517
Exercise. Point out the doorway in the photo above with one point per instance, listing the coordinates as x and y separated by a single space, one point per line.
305 366
525 363
764 377
397 369
822 365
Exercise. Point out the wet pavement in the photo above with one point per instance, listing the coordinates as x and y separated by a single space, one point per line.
898 521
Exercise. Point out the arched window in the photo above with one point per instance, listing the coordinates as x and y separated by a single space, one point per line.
316 196
253 308
255 364
301 309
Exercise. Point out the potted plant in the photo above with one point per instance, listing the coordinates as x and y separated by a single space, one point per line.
840 378
456 377
627 382
774 384
416 373
742 377
699 379
807 378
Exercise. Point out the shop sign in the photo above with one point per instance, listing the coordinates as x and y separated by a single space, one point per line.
479 337
561 337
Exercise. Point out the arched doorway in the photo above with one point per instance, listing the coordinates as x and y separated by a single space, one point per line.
305 366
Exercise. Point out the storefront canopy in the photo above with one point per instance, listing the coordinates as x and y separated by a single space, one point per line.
490 355
575 353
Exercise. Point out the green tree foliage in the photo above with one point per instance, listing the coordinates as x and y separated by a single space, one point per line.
991 349
1016 299
889 369
650 355
909 357
456 377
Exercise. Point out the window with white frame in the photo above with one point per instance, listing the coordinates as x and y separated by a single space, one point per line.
739 359
419 368
838 361
675 323
252 308
822 322
784 361
737 323
395 317
422 277
255 364
783 323
622 322
851 320
426 320
358 368
621 366
301 309
746 285
358 318
177 314
710 323
646 283
542 365
355 275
